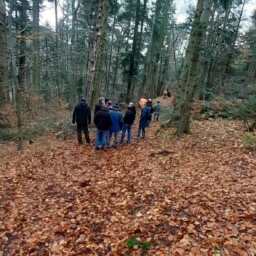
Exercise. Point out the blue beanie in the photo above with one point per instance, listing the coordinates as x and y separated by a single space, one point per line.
83 98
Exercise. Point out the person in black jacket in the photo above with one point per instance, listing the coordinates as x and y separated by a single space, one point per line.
99 105
102 121
129 118
82 117
150 110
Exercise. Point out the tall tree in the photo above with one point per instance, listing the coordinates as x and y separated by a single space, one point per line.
24 6
73 90
96 54
187 85
135 46
4 54
13 68
36 47
159 32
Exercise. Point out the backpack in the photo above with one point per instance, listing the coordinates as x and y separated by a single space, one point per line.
149 114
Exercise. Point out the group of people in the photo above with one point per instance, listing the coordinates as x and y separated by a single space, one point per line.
109 121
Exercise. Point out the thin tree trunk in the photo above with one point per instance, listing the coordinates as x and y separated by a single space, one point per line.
73 89
150 76
251 70
22 62
35 55
133 54
109 65
140 44
231 53
4 54
13 69
57 64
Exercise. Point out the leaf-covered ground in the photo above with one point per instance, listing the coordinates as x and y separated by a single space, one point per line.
194 195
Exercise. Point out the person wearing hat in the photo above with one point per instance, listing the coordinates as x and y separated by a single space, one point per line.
109 105
143 123
150 110
82 117
129 118
102 121
156 111
116 126
99 105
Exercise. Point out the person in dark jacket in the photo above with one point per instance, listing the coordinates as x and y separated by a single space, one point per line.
116 126
143 121
156 111
129 118
82 117
99 105
102 121
150 110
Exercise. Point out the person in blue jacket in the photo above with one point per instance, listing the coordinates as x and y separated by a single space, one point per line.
116 124
144 116
82 117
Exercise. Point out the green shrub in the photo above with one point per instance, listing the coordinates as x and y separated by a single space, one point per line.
246 109
249 141
5 135
134 241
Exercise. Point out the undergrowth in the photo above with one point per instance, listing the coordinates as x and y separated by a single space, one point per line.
249 141
134 242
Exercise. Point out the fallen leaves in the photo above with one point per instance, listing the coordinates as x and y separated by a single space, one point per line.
193 195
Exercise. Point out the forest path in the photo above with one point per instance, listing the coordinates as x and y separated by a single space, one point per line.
193 195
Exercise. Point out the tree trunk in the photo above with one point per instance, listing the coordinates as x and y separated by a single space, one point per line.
251 70
22 59
187 84
73 82
4 54
109 61
95 61
132 70
150 76
35 42
13 69
57 64
231 51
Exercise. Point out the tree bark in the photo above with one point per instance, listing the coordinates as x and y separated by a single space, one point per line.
150 76
95 61
133 54
13 68
187 83
73 89
22 58
4 54
251 69
35 43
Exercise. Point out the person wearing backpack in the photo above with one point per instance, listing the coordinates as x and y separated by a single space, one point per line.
143 123
150 110
103 123
116 124
129 118
156 111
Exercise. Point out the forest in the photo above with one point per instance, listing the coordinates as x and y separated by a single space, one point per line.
188 187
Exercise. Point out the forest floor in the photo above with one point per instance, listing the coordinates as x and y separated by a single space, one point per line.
193 195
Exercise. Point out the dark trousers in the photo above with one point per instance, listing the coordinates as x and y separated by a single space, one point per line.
80 128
